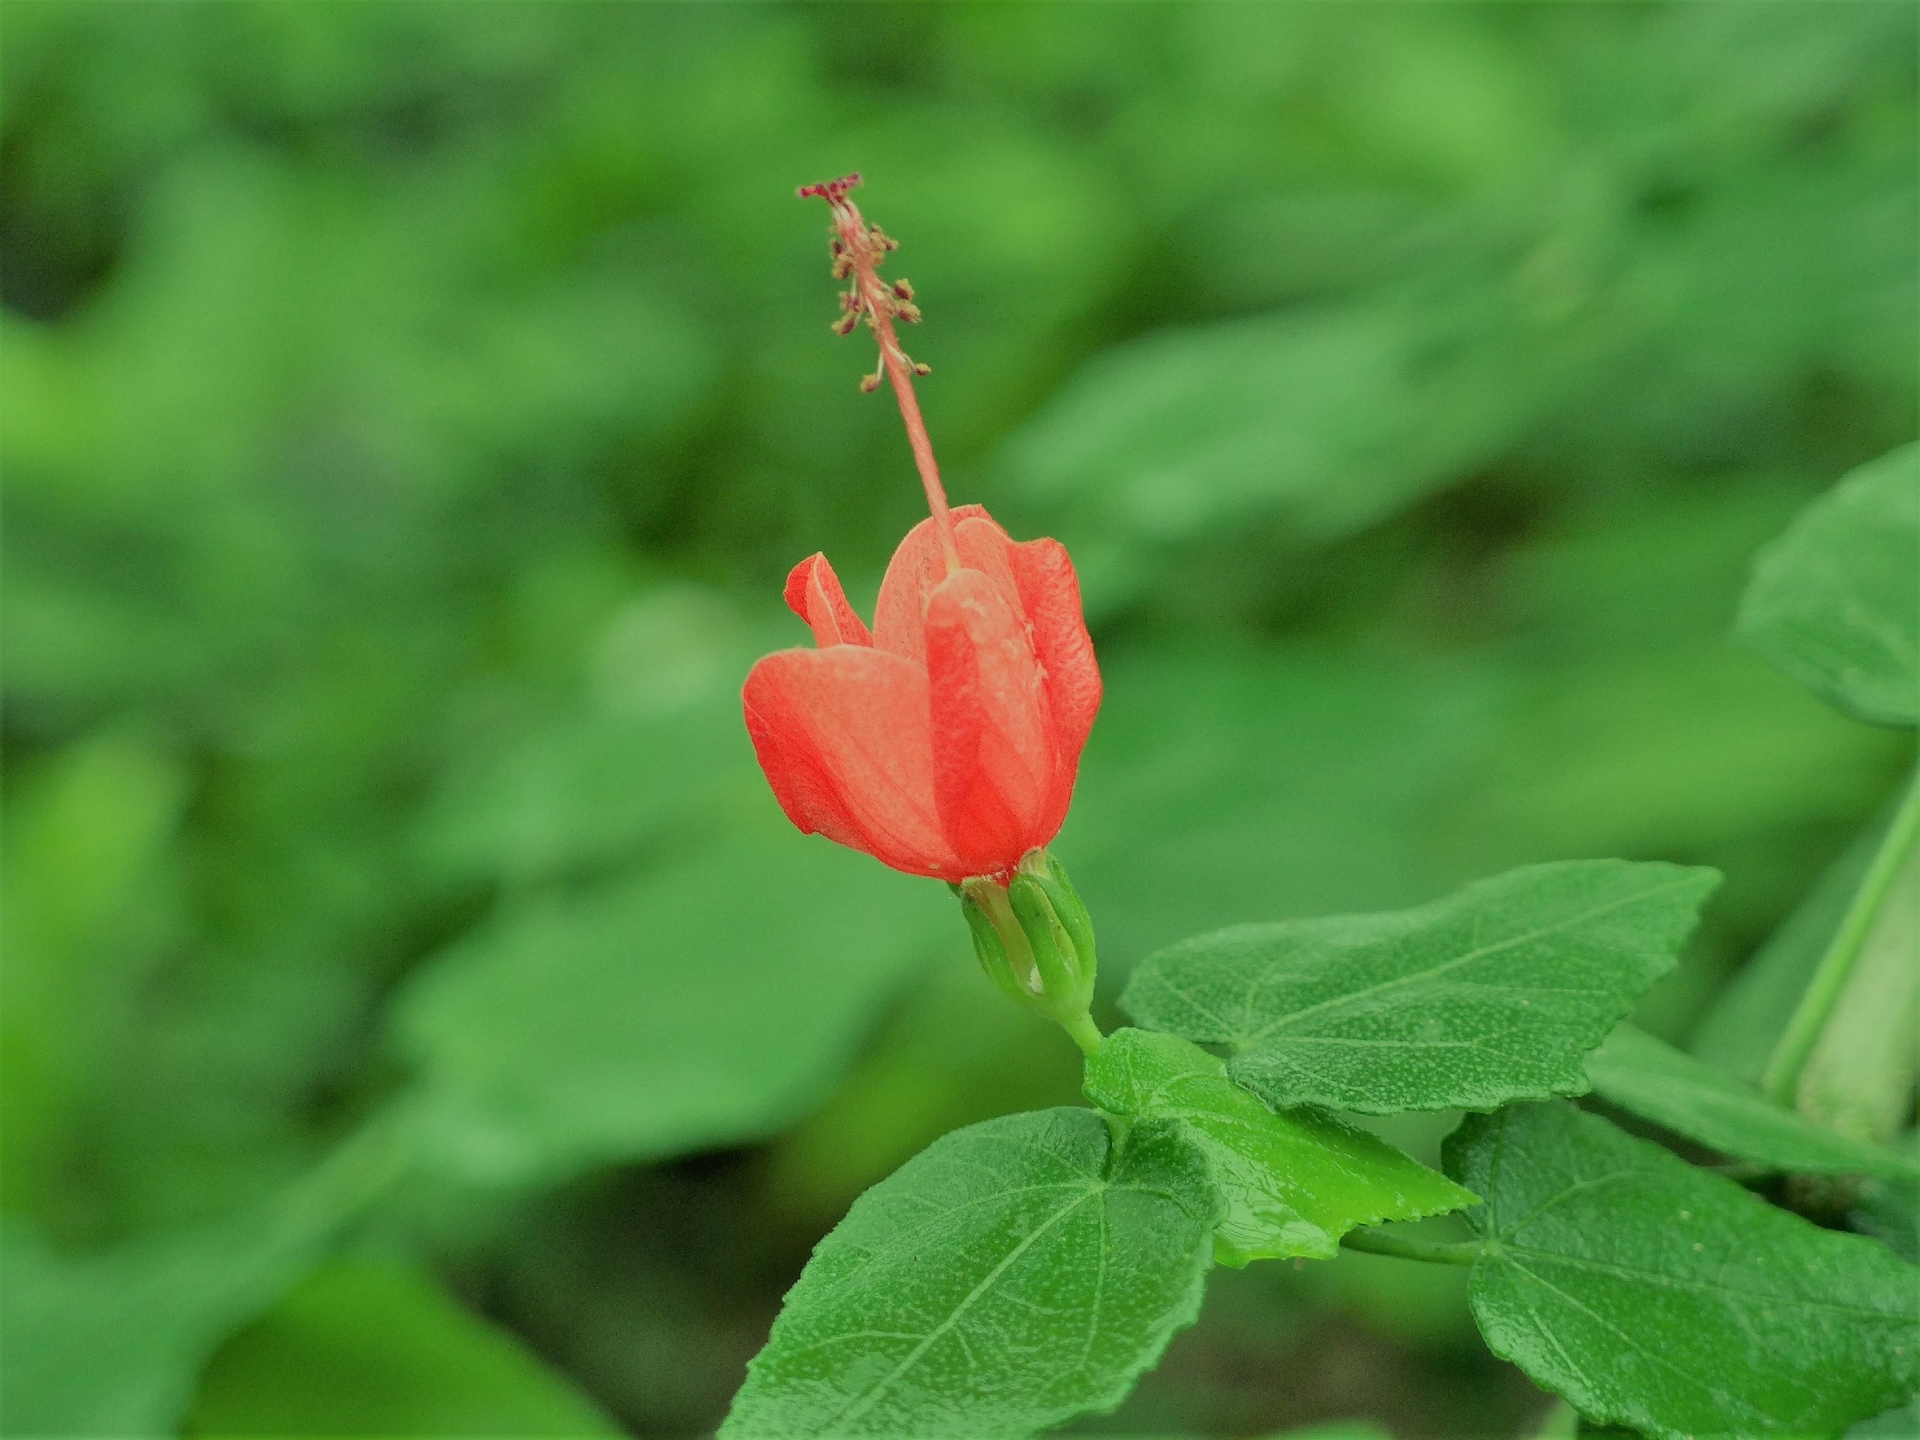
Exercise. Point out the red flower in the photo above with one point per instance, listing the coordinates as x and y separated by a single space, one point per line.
944 743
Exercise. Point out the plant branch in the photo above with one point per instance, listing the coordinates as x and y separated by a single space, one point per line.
1796 1042
1405 1247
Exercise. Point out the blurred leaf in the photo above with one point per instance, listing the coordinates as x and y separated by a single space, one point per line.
1340 414
1016 1274
1226 783
1858 1078
1659 1296
590 789
952 1053
1669 1087
1680 750
109 1343
1294 1181
1739 1032
372 1349
87 838
703 1003
1902 1423
1489 995
1832 600
1889 1210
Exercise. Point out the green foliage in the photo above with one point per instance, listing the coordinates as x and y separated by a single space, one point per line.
1327 413
679 1010
109 1343
85 896
1747 1018
1484 997
1832 601
1017 1273
410 412
1293 1181
360 1348
1657 1296
1669 1087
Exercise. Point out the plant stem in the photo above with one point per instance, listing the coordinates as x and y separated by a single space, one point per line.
1405 1247
1790 1052
1085 1033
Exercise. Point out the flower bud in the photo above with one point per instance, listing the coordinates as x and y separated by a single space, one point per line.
1035 941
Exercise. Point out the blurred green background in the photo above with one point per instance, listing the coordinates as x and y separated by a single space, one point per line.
418 1018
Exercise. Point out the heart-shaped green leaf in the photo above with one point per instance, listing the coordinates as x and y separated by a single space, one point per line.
1012 1275
1832 600
1490 995
1662 1297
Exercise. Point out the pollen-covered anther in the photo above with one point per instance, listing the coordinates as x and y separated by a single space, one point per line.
902 290
870 383
844 325
907 311
921 368
831 191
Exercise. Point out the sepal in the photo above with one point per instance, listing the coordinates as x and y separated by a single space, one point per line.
1034 939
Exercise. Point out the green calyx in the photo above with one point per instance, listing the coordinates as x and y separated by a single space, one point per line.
1035 941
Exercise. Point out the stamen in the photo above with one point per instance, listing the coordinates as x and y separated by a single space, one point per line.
857 249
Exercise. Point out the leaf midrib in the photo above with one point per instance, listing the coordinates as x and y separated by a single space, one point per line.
871 1396
1479 953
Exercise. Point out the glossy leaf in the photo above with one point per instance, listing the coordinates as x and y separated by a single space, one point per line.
1832 601
1653 1080
369 1349
1294 1181
1490 995
1665 1298
1013 1275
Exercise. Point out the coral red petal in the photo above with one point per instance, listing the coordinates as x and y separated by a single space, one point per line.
844 738
994 761
1050 598
814 594
917 566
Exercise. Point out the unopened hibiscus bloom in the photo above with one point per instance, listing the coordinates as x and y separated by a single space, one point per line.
945 740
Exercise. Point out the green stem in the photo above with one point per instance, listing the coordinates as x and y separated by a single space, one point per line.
1796 1042
358 1171
1085 1033
1405 1247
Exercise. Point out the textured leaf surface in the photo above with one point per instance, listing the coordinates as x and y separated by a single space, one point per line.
1669 1087
1294 1181
1834 601
1490 995
1662 1297
1012 1275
